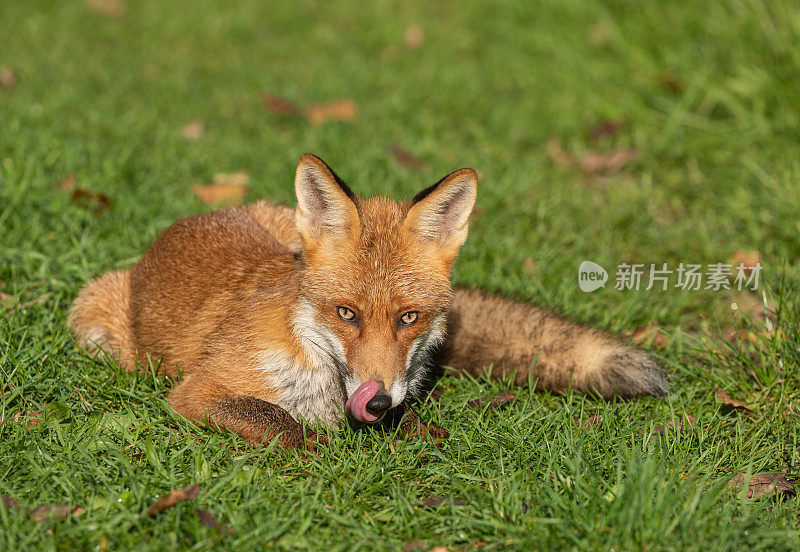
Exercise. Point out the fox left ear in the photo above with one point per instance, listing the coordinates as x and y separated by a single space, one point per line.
325 204
440 214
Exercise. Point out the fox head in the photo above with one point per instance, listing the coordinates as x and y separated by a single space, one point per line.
376 285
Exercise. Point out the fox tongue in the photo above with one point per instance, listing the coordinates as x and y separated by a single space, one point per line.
357 403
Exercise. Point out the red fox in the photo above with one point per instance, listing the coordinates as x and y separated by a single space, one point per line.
339 307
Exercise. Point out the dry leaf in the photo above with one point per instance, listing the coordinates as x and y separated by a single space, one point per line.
414 36
10 502
33 418
606 128
557 153
22 306
67 184
194 130
208 519
499 400
529 265
8 80
647 334
239 178
109 8
406 158
750 305
58 512
174 497
226 194
227 189
339 110
278 106
671 82
678 426
593 162
748 260
439 549
435 395
477 211
592 422
729 402
414 546
764 484
599 33
433 501
87 198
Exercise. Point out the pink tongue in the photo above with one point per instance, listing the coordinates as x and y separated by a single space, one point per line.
357 403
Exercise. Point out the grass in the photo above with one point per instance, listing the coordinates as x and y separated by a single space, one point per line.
709 95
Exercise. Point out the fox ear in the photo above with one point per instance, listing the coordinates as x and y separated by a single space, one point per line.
325 204
440 213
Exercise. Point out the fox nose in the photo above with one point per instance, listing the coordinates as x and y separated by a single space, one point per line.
379 404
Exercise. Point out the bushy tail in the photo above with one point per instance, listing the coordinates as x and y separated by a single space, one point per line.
100 316
489 331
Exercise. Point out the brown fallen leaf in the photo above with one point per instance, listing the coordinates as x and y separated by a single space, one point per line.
227 194
609 127
32 419
477 211
109 8
58 512
433 501
227 189
22 306
175 496
435 395
499 400
8 80
729 402
406 158
557 154
67 184
338 110
671 82
612 161
647 334
86 198
277 105
414 36
414 546
749 305
439 549
208 519
529 265
747 259
10 502
686 426
764 485
194 130
592 422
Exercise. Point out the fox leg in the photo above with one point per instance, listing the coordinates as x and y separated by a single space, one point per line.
256 420
485 330
404 417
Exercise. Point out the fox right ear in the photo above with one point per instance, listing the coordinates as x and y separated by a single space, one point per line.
325 204
440 214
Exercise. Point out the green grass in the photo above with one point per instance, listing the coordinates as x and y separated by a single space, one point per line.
709 92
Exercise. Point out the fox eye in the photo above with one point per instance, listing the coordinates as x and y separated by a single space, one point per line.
409 318
346 314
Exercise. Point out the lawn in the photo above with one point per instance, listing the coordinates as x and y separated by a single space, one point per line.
615 132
